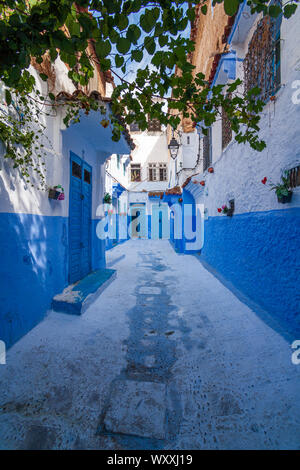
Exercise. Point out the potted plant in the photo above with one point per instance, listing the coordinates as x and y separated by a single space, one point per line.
227 210
282 189
107 198
57 192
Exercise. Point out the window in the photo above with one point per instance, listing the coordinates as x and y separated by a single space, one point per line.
118 161
76 170
162 172
135 172
226 130
262 62
134 127
152 171
207 149
188 140
294 175
154 125
87 177
124 169
157 172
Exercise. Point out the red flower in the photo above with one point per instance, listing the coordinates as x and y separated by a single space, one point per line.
264 180
202 183
219 209
210 169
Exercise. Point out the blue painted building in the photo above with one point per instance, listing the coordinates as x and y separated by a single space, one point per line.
47 244
255 250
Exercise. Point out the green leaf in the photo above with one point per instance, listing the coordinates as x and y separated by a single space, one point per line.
191 14
119 60
289 10
123 45
133 33
43 77
163 40
103 48
150 45
8 98
147 21
204 9
137 55
122 22
231 7
274 11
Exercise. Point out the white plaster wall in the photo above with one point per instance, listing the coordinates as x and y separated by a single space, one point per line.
190 146
19 197
238 171
150 148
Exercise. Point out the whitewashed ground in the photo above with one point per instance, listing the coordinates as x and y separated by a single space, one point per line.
166 357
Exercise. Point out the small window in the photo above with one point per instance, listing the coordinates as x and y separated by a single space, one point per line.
134 127
118 161
87 177
188 140
154 125
152 172
226 130
207 149
124 169
76 170
135 172
162 172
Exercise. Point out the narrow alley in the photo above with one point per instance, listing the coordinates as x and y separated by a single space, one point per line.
150 366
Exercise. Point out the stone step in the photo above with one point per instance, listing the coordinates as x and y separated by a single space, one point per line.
77 297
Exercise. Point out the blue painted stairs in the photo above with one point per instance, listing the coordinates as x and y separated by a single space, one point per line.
76 298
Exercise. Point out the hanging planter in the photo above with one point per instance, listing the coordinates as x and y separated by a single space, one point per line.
282 189
227 209
57 193
283 198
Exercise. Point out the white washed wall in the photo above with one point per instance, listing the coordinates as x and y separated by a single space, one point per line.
239 169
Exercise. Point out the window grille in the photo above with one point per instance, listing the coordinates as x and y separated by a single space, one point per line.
262 62
207 149
226 130
154 125
294 175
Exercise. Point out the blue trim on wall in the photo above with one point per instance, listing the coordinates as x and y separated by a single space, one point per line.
259 254
34 267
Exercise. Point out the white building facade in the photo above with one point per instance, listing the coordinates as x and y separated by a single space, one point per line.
256 247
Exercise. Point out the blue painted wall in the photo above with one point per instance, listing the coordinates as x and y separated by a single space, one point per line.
259 254
34 267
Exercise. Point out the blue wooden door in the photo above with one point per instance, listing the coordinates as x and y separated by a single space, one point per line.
80 219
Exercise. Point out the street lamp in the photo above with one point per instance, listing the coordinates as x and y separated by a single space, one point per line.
173 147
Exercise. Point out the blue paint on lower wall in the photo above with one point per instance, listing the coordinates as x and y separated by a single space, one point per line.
259 254
33 269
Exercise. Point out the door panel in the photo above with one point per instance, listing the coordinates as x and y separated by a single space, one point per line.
80 219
